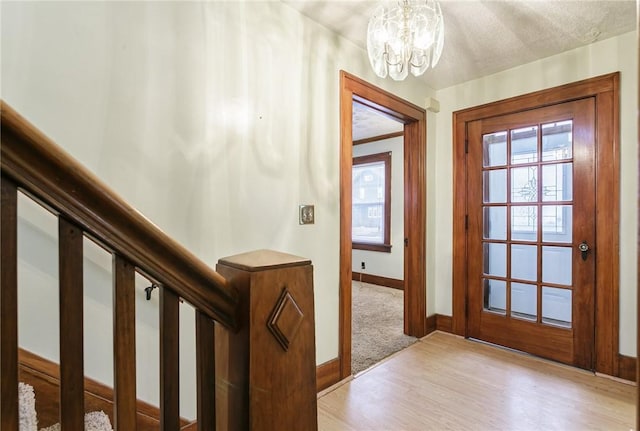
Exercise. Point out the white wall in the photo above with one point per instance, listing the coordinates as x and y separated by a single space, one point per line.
611 55
214 119
383 264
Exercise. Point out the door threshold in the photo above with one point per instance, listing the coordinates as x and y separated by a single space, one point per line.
536 357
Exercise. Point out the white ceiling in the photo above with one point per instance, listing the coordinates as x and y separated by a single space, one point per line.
368 122
482 37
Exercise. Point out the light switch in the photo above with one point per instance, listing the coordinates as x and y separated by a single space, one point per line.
307 214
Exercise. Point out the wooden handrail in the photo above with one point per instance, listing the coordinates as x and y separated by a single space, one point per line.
41 168
260 375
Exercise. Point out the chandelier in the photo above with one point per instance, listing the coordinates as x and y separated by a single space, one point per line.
405 36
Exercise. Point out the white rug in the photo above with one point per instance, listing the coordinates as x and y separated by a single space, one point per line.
94 421
27 408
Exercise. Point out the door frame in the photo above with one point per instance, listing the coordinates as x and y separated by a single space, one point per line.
414 119
605 90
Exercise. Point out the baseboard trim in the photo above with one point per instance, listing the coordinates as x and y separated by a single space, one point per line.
438 322
431 324
444 323
378 279
44 376
327 374
627 367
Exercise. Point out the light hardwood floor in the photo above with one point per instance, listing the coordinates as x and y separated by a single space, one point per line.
444 382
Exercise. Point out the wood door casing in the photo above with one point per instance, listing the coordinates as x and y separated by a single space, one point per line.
414 119
605 89
572 345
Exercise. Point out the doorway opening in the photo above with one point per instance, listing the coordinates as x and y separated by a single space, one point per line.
413 119
377 238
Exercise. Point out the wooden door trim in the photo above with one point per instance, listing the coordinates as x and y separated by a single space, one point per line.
606 91
414 119
638 280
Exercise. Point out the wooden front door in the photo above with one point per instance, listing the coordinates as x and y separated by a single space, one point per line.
531 231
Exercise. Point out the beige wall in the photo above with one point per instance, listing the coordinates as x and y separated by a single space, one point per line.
611 55
214 119
380 263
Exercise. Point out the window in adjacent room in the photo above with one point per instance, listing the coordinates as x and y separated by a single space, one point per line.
371 202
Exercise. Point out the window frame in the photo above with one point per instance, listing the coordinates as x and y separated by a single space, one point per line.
385 158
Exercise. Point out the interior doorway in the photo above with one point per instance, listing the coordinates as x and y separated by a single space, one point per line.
414 133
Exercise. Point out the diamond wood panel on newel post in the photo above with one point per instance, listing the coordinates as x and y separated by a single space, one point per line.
276 382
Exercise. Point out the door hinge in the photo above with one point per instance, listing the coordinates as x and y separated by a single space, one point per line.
466 222
466 146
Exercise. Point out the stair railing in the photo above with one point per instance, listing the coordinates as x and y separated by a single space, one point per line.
255 343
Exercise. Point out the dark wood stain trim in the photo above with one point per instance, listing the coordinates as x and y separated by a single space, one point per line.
459 262
638 250
327 374
393 283
431 324
378 138
9 306
98 396
415 216
346 160
383 248
607 230
439 322
606 91
444 323
124 344
192 426
205 372
42 168
414 118
169 359
386 159
71 325
627 367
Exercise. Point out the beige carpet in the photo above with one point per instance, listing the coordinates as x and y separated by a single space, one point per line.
377 324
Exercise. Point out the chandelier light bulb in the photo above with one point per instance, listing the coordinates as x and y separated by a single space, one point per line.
405 36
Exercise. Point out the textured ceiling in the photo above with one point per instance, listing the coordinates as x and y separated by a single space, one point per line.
368 122
484 37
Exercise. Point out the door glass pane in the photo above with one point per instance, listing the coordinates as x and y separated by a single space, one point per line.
524 184
524 262
524 145
495 295
557 141
557 223
556 306
557 182
494 147
556 265
495 186
524 301
495 259
495 222
524 223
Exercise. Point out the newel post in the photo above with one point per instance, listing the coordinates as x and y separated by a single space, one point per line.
267 381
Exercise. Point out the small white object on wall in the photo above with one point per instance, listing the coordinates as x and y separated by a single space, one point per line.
307 214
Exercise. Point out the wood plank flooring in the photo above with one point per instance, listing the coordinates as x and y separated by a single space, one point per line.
444 382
